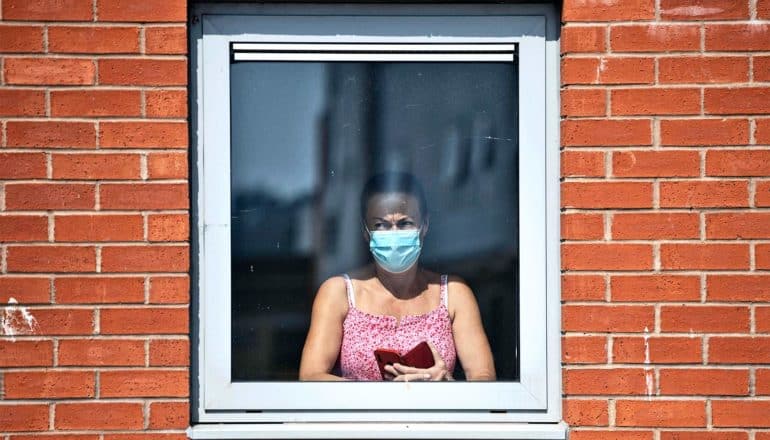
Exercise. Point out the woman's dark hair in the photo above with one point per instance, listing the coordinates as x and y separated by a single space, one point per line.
394 182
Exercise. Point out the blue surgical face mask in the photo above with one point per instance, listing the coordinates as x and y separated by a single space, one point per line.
397 250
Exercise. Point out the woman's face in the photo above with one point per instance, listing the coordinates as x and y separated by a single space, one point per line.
386 211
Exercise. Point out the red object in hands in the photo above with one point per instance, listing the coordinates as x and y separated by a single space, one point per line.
419 357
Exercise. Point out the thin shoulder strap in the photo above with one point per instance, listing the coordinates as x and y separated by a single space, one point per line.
349 290
444 291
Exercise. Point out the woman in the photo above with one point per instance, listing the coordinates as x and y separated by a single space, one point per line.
394 303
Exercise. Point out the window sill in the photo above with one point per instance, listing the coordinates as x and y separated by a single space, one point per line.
514 431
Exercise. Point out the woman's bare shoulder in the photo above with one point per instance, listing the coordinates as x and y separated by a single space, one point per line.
332 296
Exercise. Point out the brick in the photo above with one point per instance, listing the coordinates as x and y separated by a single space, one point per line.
93 39
144 321
89 103
26 353
762 319
167 165
657 350
655 163
143 72
615 434
703 69
51 258
21 39
582 226
166 103
584 412
577 10
142 10
697 132
169 290
165 40
737 37
584 349
48 10
739 350
145 259
658 288
607 318
738 163
740 413
98 415
763 11
64 321
736 101
49 71
655 38
21 102
762 385
20 228
614 381
169 415
143 383
99 290
45 134
84 228
96 166
583 102
582 163
607 70
146 436
45 436
762 256
704 382
704 319
655 226
710 256
582 287
606 133
143 134
657 101
704 435
738 225
22 166
761 68
762 132
704 194
654 413
40 196
168 227
762 194
598 195
609 256
25 290
144 196
15 418
703 9
749 288
169 352
581 39
101 352
49 384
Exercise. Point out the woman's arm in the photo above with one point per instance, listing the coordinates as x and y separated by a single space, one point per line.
322 346
470 340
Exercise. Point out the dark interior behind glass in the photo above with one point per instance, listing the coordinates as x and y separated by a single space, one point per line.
305 138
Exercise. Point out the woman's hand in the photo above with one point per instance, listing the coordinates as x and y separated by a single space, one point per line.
403 373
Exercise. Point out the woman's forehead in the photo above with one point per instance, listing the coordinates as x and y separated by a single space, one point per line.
382 204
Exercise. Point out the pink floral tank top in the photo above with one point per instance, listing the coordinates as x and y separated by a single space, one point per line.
362 333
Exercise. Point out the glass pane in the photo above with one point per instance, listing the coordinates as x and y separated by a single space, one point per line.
306 136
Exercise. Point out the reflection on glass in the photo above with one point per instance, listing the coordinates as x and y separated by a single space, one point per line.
306 136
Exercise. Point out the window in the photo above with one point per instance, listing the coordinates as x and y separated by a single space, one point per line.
295 107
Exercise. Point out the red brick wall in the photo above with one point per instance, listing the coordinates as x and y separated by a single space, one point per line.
666 166
94 219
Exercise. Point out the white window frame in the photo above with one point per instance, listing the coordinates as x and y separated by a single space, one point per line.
533 30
